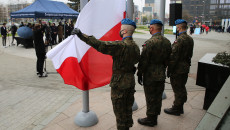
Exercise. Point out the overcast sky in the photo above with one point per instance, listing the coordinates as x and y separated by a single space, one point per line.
140 3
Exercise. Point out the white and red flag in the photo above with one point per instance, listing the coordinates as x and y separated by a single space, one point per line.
78 63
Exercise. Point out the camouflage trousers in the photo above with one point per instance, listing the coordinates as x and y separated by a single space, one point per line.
122 100
153 96
178 82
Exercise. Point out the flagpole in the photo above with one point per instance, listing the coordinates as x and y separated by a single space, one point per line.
162 18
85 118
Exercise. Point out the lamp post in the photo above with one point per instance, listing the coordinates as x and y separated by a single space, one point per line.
196 13
203 12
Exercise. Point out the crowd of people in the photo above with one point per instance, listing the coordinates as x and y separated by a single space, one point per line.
52 31
49 30
207 28
157 60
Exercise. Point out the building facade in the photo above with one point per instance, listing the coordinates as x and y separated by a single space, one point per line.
205 11
3 13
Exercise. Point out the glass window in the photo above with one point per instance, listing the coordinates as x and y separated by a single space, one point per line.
221 1
213 7
213 2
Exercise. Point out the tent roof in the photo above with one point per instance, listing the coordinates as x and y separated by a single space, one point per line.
45 9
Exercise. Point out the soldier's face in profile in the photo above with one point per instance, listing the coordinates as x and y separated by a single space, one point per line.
178 28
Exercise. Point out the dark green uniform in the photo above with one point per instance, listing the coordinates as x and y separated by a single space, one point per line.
179 65
125 55
152 66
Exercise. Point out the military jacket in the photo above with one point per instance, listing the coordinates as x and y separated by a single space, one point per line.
182 51
125 55
154 57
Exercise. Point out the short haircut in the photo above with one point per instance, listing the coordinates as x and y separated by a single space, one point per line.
183 25
4 23
157 27
130 29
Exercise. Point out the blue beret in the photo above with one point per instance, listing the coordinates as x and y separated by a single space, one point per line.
155 21
179 21
128 22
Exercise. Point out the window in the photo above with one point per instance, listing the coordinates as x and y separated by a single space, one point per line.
213 1
213 7
221 1
212 12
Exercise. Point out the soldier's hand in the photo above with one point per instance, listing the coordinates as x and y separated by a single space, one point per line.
168 74
76 31
140 80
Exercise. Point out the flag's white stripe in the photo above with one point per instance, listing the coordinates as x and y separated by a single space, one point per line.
70 47
96 18
99 16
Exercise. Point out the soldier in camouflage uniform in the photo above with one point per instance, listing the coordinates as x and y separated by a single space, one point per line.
125 55
152 66
179 65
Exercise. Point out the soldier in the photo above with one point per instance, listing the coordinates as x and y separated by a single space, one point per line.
152 66
125 55
179 65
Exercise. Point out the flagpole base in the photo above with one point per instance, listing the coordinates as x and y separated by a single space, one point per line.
164 96
134 107
86 119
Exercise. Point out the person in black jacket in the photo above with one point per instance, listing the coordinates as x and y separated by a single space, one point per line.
13 32
54 31
4 34
39 48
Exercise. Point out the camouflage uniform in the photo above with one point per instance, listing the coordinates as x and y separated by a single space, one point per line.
179 65
125 54
152 66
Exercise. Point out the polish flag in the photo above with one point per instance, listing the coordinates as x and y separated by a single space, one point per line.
78 63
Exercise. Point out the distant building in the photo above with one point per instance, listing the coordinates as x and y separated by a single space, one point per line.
3 13
148 10
212 11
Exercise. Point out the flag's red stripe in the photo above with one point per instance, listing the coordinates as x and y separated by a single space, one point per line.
95 68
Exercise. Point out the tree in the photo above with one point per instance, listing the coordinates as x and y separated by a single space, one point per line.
144 19
75 5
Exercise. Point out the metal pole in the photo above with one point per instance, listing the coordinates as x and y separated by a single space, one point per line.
130 9
162 18
85 101
85 93
85 118
129 14
162 14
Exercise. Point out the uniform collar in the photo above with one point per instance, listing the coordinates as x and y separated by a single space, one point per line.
156 33
126 37
181 33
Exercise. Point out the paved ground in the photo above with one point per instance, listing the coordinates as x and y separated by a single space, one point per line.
28 102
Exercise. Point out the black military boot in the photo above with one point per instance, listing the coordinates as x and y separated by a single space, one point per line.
174 110
147 121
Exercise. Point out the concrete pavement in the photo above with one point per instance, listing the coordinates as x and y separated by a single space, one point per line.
28 102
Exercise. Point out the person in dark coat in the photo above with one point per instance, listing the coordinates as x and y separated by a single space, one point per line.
54 31
13 32
60 32
39 49
4 34
67 30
